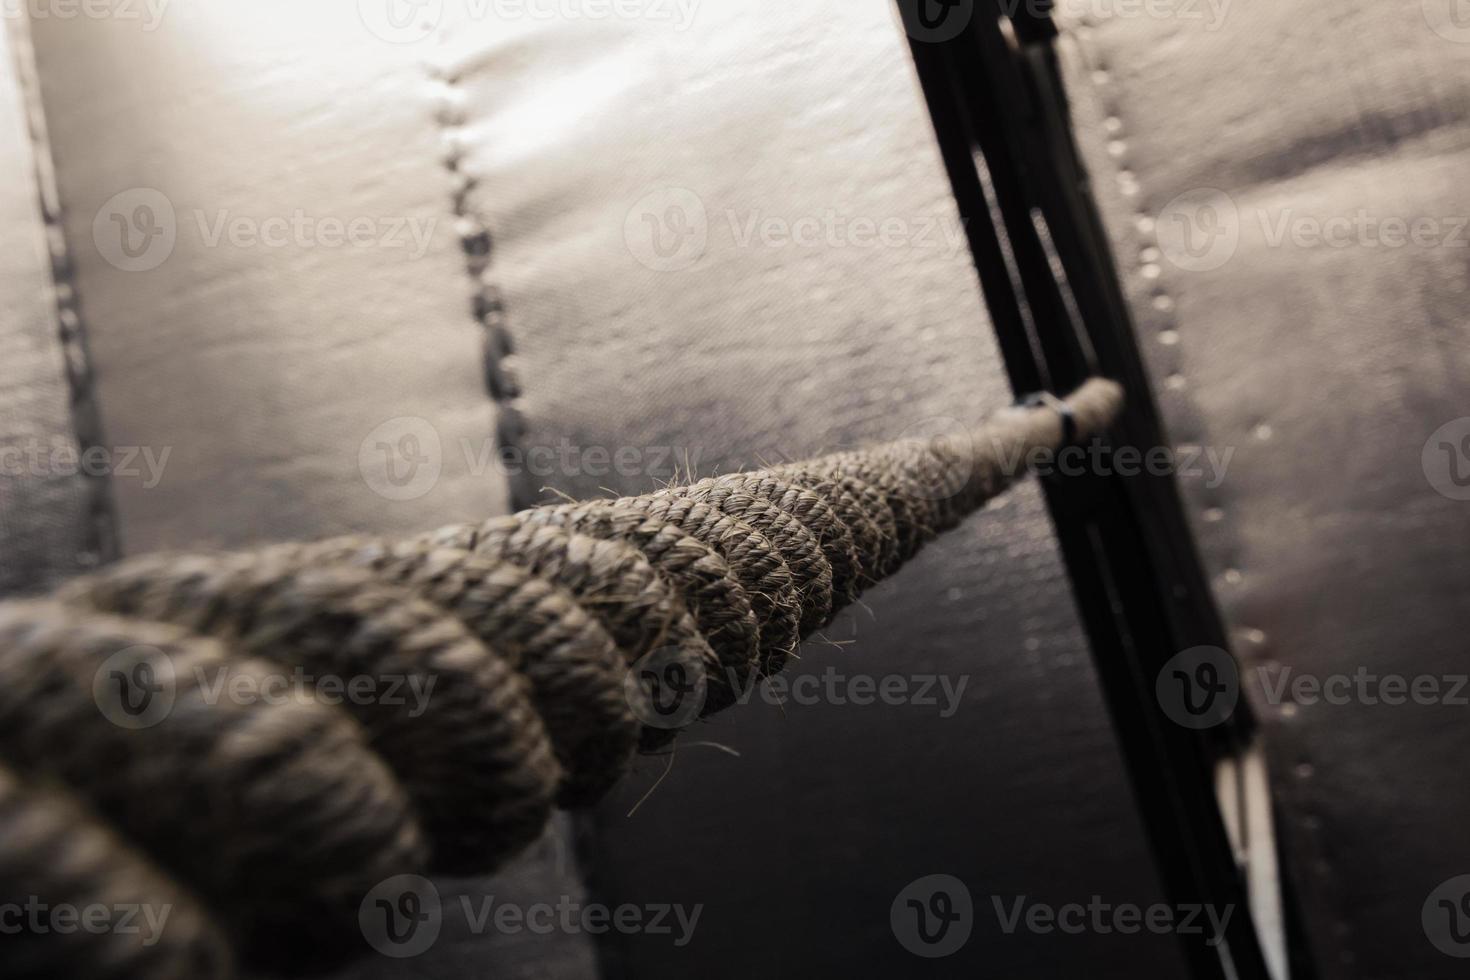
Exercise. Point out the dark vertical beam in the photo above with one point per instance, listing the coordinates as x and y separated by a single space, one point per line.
1004 131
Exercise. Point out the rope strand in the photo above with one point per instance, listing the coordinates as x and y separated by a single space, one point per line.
483 674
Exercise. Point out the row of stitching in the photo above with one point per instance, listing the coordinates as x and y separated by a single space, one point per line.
1167 353
478 246
1186 415
98 537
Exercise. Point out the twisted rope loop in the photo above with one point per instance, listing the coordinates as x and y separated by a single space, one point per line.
257 740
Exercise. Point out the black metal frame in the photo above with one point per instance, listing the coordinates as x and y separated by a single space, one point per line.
999 109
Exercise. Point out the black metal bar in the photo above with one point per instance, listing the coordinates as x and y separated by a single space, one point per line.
1004 130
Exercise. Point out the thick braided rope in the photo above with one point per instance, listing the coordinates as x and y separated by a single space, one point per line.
50 837
500 669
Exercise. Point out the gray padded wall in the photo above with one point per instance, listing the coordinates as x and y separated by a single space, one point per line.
269 374
53 520
1329 370
735 352
1328 360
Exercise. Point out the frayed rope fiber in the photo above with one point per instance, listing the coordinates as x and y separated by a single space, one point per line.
502 669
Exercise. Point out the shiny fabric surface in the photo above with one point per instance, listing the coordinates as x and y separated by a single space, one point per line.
1285 187
49 528
689 236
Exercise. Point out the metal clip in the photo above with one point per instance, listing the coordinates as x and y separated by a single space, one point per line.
1045 399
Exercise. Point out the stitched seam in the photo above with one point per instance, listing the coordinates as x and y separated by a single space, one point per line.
487 304
98 534
1148 267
